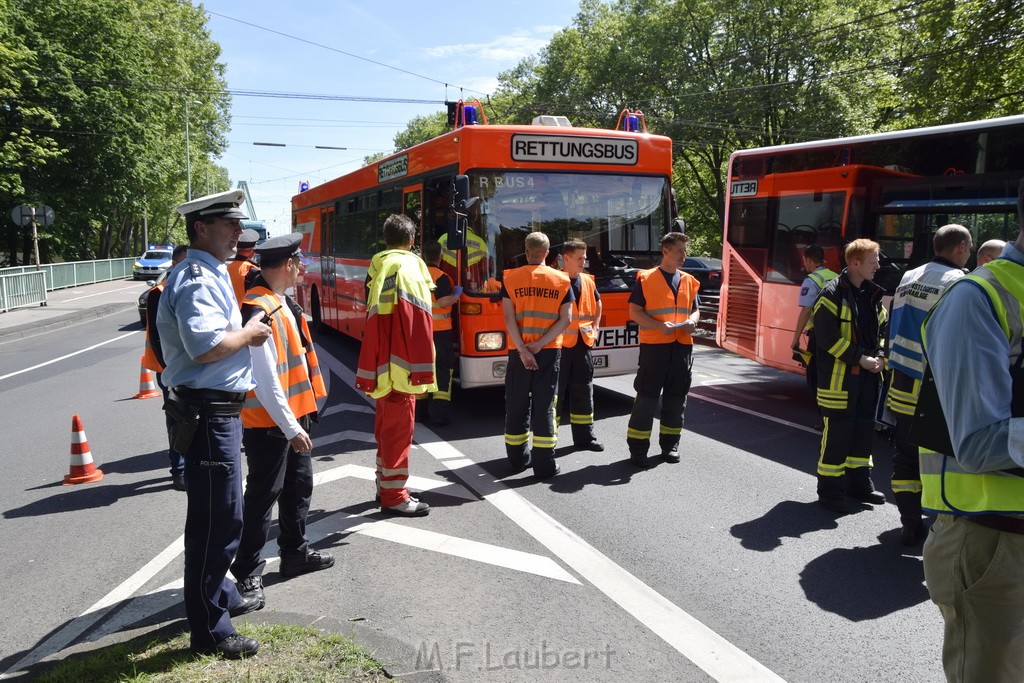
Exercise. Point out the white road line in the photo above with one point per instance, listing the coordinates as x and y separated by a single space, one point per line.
418 483
486 553
715 655
347 408
347 435
109 291
748 411
70 355
73 629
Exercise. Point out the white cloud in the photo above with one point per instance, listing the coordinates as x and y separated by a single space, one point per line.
504 49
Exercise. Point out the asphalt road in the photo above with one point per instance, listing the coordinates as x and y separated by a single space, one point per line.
721 567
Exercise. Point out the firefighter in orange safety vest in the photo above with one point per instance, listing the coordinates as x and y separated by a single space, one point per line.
664 304
537 303
576 365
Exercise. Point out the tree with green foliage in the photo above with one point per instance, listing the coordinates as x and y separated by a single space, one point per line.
115 77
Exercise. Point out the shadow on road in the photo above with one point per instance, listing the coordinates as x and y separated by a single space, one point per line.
788 519
865 583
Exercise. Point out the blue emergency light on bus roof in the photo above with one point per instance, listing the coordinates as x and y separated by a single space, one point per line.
470 115
303 185
631 123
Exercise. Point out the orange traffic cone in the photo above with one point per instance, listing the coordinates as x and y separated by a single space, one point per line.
147 383
83 471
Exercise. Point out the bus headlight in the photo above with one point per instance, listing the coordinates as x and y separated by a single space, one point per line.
490 341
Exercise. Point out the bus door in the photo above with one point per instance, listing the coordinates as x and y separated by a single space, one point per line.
412 206
329 302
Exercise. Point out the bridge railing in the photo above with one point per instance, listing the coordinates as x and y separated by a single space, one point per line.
27 286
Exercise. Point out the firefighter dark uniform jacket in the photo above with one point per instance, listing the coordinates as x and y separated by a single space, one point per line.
664 306
583 319
442 314
947 487
537 292
298 369
243 273
152 358
398 345
842 337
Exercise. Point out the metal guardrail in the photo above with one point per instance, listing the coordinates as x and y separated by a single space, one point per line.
22 289
27 286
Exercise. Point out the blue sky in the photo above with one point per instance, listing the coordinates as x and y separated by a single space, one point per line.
463 44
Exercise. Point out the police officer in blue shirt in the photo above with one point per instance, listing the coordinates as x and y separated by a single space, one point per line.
208 370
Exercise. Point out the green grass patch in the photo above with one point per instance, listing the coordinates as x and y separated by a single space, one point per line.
293 654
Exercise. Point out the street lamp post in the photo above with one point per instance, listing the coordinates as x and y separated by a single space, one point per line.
188 155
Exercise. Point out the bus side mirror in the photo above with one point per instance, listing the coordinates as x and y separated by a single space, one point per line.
461 203
680 225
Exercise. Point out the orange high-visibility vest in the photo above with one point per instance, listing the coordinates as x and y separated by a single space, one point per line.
301 381
149 359
237 271
583 319
442 314
537 293
663 306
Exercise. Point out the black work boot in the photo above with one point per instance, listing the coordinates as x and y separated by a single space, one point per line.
859 486
832 495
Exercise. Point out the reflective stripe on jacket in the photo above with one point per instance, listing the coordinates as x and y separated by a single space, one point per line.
442 314
476 249
946 487
583 318
398 345
298 369
664 306
537 293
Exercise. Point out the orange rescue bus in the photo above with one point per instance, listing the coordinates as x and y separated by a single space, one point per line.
610 188
895 188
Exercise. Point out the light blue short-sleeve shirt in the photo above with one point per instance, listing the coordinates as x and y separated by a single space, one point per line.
197 308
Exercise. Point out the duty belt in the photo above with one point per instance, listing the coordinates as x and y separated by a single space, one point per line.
210 394
1005 523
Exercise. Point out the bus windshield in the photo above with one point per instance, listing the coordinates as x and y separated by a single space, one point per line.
621 218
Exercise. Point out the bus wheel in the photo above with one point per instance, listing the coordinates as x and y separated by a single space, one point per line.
314 311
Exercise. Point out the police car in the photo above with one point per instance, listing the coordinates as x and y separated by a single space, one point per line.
153 263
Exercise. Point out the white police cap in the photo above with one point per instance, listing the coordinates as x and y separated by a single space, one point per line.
221 205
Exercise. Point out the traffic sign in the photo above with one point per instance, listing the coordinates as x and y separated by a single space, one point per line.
44 215
23 214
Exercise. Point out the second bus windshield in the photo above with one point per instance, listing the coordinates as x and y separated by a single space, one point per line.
621 218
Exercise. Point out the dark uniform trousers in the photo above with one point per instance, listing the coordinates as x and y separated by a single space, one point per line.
576 392
665 370
213 526
906 463
846 442
530 405
444 364
277 474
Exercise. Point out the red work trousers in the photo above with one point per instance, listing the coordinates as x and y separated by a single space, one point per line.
393 427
